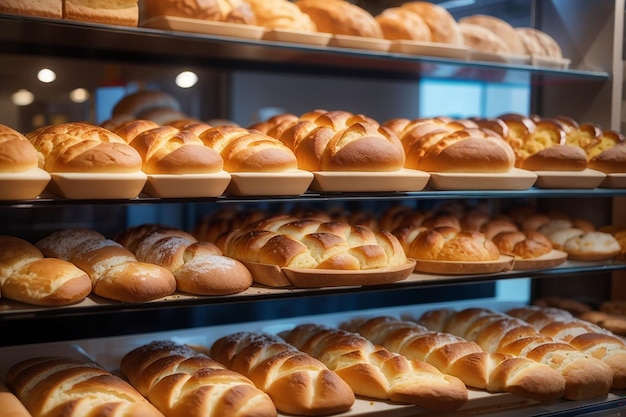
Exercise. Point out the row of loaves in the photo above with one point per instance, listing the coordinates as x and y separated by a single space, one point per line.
420 21
429 361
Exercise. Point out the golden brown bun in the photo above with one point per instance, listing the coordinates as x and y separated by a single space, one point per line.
234 11
340 17
143 100
375 372
585 376
281 14
75 388
443 27
463 359
588 338
199 267
401 23
179 381
82 147
539 43
611 160
556 158
297 383
167 150
10 405
17 154
482 39
501 29
245 150
525 245
39 8
114 271
592 246
450 244
119 12
606 140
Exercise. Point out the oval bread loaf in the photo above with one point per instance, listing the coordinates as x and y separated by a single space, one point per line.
17 154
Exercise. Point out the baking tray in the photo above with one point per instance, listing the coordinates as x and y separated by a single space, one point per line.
516 179
294 182
504 263
293 36
587 178
351 181
78 185
359 42
23 185
187 185
549 260
207 27
434 49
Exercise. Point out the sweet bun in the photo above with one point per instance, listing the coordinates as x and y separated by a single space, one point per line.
443 26
611 160
500 28
341 17
17 154
525 245
450 244
482 39
234 11
281 14
401 23
556 158
592 246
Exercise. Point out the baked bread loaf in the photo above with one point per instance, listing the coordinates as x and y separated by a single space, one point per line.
450 244
502 29
38 8
17 154
443 26
61 386
611 160
180 381
482 39
26 276
588 338
341 17
199 267
539 43
341 141
281 14
168 150
592 246
119 13
10 405
375 372
573 306
233 11
585 376
453 355
82 147
115 272
398 23
614 323
244 150
311 244
524 245
296 382
216 223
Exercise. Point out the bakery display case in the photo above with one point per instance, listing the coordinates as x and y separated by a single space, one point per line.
586 86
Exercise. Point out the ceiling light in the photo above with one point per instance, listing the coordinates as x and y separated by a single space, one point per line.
22 97
79 95
186 79
46 75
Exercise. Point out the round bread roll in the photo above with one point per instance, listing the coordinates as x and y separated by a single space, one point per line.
141 101
560 236
341 17
234 11
552 224
503 31
443 27
401 23
525 245
482 39
450 244
612 160
539 43
281 14
592 246
17 154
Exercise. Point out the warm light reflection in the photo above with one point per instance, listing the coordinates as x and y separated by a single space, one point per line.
79 95
46 75
22 97
186 79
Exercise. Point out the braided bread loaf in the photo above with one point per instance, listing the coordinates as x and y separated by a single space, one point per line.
296 382
245 150
182 382
285 241
587 337
453 355
82 147
199 267
340 141
26 276
375 372
169 150
585 376
66 387
115 272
